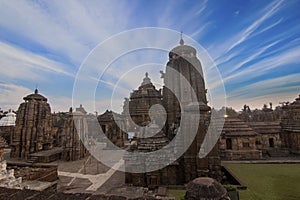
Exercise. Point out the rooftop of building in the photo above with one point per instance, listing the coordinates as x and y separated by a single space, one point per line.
35 96
183 49
267 127
146 89
234 127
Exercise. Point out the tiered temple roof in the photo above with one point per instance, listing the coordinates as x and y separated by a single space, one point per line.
234 127
266 127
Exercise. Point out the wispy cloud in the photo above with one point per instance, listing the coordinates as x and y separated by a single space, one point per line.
18 63
267 87
246 33
11 95
290 56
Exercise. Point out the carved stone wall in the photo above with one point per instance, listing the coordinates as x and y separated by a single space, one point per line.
6 132
68 127
111 129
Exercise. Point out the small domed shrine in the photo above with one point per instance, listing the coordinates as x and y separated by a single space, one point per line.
9 119
205 188
7 124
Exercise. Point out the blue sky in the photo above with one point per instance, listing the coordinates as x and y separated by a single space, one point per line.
255 45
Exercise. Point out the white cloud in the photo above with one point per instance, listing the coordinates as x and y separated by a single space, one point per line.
267 87
17 63
69 29
290 56
12 95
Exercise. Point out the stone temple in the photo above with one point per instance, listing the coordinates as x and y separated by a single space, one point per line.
40 136
33 126
189 166
290 126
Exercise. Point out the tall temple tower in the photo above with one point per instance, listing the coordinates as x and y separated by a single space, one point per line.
183 60
184 100
33 127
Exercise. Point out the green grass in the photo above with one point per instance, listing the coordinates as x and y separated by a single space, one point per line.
178 194
268 181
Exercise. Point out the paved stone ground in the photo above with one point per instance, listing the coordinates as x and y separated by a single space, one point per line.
88 176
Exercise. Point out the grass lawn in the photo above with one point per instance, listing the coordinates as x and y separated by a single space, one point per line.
178 194
268 181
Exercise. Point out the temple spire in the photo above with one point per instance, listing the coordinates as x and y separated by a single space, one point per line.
181 40
146 80
36 89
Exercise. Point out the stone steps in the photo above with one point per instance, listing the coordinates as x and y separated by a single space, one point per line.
278 152
32 159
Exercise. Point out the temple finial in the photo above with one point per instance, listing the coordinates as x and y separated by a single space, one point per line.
181 40
36 89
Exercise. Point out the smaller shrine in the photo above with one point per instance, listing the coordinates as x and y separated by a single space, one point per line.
290 123
205 188
238 141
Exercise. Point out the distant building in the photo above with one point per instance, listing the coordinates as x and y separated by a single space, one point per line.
71 134
290 124
111 129
269 134
238 141
9 119
7 124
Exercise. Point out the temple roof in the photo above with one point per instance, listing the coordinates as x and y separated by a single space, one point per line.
9 119
272 127
146 80
35 96
234 127
183 49
294 105
146 89
109 115
290 120
81 109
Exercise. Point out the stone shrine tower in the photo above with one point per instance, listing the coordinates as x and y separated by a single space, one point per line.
71 133
33 127
183 60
